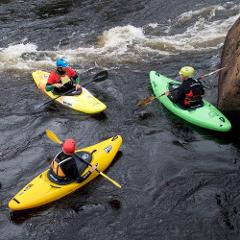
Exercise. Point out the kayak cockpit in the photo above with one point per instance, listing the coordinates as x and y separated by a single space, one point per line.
81 166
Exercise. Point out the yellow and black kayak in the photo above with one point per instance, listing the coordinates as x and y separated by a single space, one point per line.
84 102
41 190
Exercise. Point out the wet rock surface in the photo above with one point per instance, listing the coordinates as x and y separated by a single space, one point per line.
229 78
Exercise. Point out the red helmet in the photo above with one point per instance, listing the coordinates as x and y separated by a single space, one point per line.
69 146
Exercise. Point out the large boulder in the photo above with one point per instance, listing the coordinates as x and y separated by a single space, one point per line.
229 78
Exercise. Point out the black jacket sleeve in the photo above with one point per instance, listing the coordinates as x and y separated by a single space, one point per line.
178 95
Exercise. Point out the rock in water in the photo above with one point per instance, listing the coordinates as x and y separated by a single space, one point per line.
115 204
229 78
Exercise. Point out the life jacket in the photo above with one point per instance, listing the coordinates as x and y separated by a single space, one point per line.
56 165
193 97
56 77
64 78
64 167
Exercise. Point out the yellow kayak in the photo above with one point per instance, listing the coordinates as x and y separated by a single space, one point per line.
85 102
41 190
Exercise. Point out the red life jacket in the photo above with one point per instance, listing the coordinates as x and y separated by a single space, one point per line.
194 96
54 77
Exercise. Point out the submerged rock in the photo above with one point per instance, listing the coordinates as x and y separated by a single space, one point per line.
229 78
115 204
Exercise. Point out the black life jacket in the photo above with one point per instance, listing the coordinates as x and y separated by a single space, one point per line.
193 97
58 163
65 167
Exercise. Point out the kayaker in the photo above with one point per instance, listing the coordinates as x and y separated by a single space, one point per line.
64 167
63 78
189 93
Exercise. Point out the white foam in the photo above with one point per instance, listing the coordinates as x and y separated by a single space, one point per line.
12 53
119 38
153 25
210 11
203 35
124 44
12 56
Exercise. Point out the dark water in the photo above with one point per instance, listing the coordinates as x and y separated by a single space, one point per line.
179 181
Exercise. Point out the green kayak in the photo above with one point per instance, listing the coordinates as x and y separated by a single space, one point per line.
206 116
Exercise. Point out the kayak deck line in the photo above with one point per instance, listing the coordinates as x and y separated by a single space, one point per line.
16 200
54 186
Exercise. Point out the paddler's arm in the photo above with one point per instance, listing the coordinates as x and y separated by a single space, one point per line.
178 95
53 81
77 80
81 178
50 87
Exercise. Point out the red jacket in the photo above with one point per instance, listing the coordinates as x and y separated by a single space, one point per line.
54 77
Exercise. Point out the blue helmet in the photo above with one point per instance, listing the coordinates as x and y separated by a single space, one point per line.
62 62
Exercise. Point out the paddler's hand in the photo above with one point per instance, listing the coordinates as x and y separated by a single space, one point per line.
58 85
167 93
77 87
93 168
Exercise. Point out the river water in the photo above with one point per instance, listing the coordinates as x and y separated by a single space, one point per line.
179 181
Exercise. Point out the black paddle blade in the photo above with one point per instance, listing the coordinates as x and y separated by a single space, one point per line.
97 78
100 76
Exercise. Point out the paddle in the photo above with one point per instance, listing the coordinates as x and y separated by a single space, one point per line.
97 78
150 99
52 136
